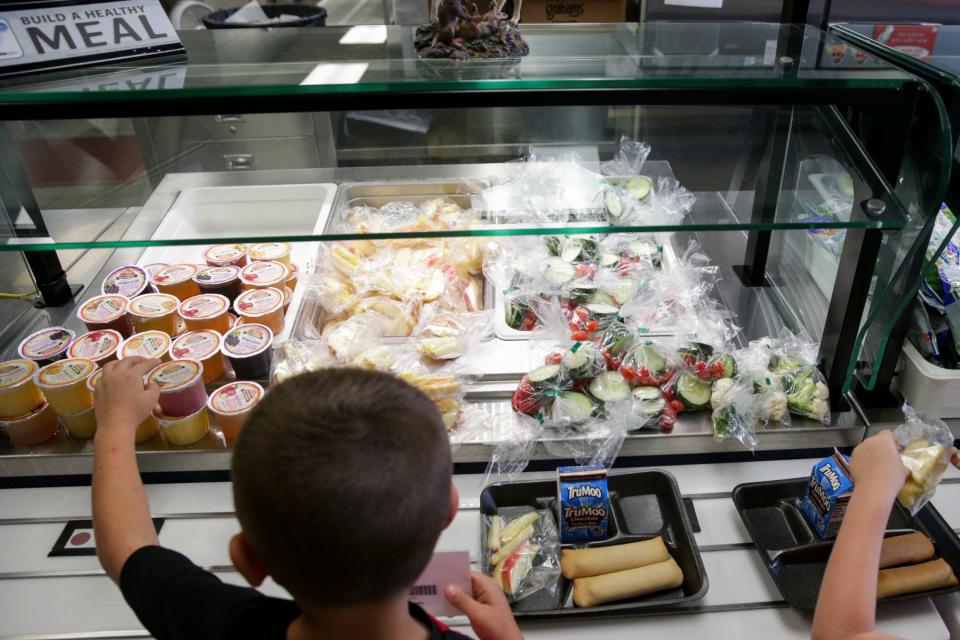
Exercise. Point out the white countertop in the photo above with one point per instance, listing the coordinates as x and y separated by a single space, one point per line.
742 600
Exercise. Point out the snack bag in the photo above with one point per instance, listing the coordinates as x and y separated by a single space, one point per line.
522 552
925 444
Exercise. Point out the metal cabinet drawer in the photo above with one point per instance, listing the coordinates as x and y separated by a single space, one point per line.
230 127
241 155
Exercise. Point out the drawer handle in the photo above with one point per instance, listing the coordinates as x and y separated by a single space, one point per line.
238 161
222 119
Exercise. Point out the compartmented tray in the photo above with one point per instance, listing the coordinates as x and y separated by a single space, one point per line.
797 558
377 194
206 211
643 505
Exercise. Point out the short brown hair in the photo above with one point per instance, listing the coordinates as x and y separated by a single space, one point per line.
341 480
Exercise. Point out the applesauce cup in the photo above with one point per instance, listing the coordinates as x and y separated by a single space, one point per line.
64 384
19 395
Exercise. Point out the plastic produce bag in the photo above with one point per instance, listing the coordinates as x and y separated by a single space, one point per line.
631 156
733 402
925 445
522 552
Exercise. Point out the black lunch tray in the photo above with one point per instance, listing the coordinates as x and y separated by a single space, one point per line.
643 505
797 558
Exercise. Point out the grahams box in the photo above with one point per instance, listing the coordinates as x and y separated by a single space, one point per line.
827 494
555 11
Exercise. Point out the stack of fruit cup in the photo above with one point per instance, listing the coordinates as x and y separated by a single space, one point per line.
248 347
206 311
146 429
261 306
99 346
183 401
108 311
202 346
155 312
176 280
24 413
64 384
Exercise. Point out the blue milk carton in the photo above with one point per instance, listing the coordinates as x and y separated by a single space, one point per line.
827 494
583 503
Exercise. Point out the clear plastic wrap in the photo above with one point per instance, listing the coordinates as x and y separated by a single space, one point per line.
630 158
792 360
447 335
733 403
522 552
925 445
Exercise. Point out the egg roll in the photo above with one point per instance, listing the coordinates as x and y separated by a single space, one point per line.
583 563
906 549
632 583
927 576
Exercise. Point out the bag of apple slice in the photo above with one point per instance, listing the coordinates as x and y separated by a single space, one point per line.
442 335
521 552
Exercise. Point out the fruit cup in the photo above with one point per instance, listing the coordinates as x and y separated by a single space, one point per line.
182 391
204 347
99 346
146 429
223 280
46 346
248 347
261 306
33 428
206 311
177 280
81 425
64 384
108 311
221 255
19 394
232 403
155 312
260 275
292 278
128 281
276 251
184 430
149 344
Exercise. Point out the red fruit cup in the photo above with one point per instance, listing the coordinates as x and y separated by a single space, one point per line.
182 392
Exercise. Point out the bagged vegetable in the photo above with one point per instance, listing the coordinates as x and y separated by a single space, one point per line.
925 445
733 403
522 552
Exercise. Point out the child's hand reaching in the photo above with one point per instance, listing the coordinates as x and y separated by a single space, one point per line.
875 463
488 611
122 401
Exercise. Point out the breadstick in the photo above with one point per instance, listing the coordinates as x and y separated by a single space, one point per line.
918 577
632 583
907 549
582 563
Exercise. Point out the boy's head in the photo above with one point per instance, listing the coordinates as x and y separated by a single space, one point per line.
342 485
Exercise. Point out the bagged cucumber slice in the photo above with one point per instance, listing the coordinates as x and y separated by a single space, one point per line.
602 313
570 249
639 188
613 205
558 272
515 310
648 394
584 362
647 355
608 260
574 407
609 387
582 292
548 376
727 362
693 392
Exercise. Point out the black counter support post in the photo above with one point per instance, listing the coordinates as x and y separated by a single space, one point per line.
24 220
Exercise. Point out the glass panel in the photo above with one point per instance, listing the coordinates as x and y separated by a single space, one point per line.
930 49
241 62
138 177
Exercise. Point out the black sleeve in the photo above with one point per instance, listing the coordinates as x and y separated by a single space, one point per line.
176 599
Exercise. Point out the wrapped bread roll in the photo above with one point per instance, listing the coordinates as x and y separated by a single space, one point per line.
935 574
908 549
632 583
582 563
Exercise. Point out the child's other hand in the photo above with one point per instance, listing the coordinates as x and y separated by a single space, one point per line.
121 400
876 463
488 611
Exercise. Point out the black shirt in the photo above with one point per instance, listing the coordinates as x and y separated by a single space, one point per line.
175 599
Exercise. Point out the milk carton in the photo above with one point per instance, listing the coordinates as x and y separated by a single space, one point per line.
827 494
583 503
